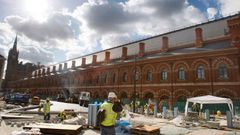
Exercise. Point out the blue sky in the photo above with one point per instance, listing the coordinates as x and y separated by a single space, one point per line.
51 31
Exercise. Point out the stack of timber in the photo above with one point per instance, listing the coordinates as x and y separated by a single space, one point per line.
58 129
146 130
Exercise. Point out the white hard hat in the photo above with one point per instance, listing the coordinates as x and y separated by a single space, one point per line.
112 95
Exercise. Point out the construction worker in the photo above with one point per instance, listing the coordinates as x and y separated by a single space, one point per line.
46 110
107 126
62 115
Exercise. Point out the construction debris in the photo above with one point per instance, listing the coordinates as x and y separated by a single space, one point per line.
79 120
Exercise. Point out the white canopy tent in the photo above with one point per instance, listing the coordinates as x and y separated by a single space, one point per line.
209 99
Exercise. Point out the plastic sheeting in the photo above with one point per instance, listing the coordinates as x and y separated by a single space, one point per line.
209 99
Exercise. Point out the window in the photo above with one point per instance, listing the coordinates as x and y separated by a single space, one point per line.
200 72
114 78
164 74
136 75
104 78
149 76
125 77
97 79
222 71
181 73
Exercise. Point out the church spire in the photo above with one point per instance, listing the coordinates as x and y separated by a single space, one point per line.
15 44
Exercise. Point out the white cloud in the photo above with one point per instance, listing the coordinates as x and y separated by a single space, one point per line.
57 26
108 23
229 6
95 25
211 12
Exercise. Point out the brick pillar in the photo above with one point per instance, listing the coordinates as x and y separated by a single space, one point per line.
73 64
94 59
164 43
234 31
65 66
39 72
199 38
83 62
54 69
124 53
141 49
107 56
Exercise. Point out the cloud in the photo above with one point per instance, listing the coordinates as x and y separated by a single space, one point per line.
211 12
106 24
96 25
57 26
229 6
36 54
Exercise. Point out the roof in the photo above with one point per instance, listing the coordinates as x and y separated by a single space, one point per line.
177 39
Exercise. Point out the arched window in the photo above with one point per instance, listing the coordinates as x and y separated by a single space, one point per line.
164 74
114 78
222 71
105 78
181 73
149 76
136 75
200 72
97 79
125 77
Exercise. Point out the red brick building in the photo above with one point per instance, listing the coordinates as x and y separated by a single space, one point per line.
193 61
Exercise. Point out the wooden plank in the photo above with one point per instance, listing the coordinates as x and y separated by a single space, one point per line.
146 130
6 116
61 129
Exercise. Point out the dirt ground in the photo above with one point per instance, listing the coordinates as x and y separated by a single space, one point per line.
167 127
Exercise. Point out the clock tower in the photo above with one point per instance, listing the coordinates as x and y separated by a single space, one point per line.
12 64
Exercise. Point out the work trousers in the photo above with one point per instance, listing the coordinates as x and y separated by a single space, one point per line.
47 116
107 130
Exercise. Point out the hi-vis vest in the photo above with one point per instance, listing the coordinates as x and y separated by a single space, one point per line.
46 107
110 115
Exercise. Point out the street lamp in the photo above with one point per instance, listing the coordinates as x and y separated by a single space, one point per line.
134 86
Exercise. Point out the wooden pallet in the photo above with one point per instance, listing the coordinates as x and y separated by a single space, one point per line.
60 129
146 130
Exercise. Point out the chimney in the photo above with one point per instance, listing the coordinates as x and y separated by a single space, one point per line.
73 64
54 69
48 70
94 59
43 72
107 56
65 66
35 74
199 38
60 67
165 43
124 53
234 31
39 72
141 49
83 62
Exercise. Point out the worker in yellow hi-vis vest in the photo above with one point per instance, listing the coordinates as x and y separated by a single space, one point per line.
46 110
107 126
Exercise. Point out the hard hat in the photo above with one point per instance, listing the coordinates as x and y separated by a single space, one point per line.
112 95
